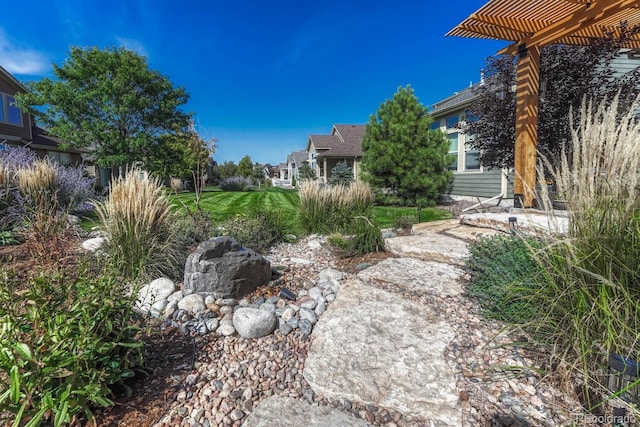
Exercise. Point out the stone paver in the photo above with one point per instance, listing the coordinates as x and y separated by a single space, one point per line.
372 347
286 411
409 274
429 247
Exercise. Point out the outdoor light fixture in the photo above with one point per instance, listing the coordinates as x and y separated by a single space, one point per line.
513 224
623 377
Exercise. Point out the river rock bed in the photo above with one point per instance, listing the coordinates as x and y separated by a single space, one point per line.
498 384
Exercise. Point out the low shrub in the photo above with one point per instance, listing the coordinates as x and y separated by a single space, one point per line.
140 226
64 341
257 230
504 269
236 183
404 222
366 237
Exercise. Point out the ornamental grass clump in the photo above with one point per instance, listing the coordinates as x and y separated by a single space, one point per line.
332 208
138 219
589 298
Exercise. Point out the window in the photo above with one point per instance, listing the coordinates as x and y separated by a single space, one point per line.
453 150
9 111
472 160
435 125
452 122
470 116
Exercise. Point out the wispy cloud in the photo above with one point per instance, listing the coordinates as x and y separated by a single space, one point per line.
133 45
23 60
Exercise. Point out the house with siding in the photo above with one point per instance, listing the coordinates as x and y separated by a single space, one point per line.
17 128
344 143
471 180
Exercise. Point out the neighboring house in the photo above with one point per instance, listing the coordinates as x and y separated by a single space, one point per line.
343 144
471 180
294 161
17 128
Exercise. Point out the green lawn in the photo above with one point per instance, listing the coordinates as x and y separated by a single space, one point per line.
221 204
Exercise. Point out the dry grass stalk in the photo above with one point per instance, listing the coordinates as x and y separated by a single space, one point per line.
38 178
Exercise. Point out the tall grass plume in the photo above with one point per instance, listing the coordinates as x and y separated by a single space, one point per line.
138 218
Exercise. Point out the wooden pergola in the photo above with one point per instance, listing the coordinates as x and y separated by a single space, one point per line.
531 25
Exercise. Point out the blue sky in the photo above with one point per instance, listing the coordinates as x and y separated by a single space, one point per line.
262 75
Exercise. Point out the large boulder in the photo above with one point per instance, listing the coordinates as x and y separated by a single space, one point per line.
222 267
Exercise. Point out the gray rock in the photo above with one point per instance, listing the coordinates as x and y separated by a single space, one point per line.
228 301
320 309
274 299
308 315
193 303
268 306
330 274
309 305
305 327
288 313
201 328
374 347
176 296
226 330
157 290
272 411
284 327
315 292
294 321
254 323
244 302
171 308
212 324
94 244
210 299
330 297
222 267
159 306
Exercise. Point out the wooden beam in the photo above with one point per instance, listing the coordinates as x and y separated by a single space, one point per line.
527 88
582 18
523 26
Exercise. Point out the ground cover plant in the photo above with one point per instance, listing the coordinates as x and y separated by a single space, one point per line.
65 339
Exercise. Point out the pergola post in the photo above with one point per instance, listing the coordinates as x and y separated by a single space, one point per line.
527 88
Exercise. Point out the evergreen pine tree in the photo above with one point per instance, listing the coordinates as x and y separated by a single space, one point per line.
403 154
341 174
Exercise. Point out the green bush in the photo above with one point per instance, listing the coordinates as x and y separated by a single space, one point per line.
404 222
140 226
257 230
503 267
366 237
64 341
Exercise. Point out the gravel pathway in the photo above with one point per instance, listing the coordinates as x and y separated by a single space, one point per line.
498 384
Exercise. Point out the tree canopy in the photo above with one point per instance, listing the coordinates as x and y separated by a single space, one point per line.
108 102
403 154
567 75
305 172
245 166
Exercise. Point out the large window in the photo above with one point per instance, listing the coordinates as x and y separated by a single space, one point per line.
9 111
453 150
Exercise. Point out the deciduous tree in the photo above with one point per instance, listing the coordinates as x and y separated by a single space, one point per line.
245 166
108 102
403 154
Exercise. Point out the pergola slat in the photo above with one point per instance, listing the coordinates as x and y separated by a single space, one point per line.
531 25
